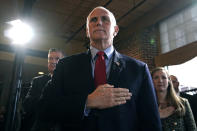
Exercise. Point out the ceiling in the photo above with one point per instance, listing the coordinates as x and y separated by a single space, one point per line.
66 19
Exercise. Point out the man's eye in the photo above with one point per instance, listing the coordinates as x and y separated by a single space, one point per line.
105 18
94 19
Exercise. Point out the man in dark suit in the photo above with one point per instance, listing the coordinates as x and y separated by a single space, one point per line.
31 101
123 99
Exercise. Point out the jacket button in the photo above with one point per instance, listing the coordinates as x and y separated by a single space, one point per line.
175 123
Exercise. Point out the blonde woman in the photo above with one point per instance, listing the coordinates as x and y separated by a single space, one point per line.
175 112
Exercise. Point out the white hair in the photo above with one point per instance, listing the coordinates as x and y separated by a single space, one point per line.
111 15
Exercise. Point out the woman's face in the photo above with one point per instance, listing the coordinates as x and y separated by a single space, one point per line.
160 81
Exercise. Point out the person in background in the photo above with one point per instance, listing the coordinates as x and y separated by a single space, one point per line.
175 83
101 89
31 101
175 111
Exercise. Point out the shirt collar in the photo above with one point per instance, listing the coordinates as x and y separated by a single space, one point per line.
109 51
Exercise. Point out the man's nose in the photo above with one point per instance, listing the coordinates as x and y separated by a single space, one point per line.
99 22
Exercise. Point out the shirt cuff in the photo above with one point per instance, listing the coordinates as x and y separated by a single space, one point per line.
86 111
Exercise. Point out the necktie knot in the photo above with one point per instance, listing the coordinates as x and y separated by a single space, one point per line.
101 54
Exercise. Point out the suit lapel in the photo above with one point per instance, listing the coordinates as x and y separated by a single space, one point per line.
117 66
86 62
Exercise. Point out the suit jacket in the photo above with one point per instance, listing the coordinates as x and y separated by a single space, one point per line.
31 101
65 97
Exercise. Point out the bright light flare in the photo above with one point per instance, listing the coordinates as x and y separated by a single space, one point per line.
20 32
40 73
186 73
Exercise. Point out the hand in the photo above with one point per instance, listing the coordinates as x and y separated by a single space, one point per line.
106 96
165 112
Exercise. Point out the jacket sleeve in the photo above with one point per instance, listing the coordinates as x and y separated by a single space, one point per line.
188 118
59 101
147 105
32 97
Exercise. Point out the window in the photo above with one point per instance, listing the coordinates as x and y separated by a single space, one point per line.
179 30
186 74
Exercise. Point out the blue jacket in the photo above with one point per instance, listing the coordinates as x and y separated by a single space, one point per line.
65 97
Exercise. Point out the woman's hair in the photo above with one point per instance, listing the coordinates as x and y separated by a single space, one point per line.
172 98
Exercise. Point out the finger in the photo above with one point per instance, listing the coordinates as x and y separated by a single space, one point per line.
117 99
108 86
122 98
120 90
119 102
128 97
129 94
105 86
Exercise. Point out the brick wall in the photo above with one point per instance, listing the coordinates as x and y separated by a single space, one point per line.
142 45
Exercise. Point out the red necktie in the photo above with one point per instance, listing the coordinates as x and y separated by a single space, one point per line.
100 76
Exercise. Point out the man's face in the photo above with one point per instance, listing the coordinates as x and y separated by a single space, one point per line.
100 26
53 58
175 83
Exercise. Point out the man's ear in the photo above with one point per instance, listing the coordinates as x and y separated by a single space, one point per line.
116 30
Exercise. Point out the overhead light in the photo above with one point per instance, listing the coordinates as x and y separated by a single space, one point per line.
20 32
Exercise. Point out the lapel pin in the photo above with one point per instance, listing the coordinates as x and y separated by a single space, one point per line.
117 63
